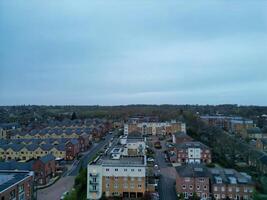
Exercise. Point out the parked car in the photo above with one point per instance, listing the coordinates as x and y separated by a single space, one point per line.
150 160
64 195
157 145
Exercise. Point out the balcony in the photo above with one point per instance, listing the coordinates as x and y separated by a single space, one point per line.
93 174
94 182
93 189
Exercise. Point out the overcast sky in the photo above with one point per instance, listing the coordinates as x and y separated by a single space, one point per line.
132 52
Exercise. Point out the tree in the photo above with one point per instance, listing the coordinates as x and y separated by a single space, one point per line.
73 116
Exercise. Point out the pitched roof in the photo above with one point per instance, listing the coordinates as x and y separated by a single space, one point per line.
193 144
192 170
47 158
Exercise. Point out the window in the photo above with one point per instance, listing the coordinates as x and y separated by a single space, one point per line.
132 170
139 170
198 187
201 179
184 187
190 187
107 185
107 178
21 188
139 186
237 189
139 179
187 179
132 178
132 185
229 189
12 194
107 169
223 189
125 178
125 170
116 178
205 187
125 185
94 187
116 185
116 170
215 188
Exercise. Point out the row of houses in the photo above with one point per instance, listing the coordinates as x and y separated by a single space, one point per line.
217 183
191 159
67 149
154 128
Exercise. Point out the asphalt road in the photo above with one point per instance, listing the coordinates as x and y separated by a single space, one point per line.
167 178
66 182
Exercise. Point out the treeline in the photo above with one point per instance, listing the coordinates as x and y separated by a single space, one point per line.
29 113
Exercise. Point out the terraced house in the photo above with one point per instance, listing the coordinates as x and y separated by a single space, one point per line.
33 151
53 133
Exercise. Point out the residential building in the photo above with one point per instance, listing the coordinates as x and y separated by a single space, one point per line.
180 137
193 178
120 171
17 185
255 133
122 176
6 129
261 144
228 183
134 144
155 128
44 168
72 149
233 124
192 152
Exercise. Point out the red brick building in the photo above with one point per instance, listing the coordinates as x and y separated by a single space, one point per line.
192 152
17 185
192 179
84 142
72 148
44 169
228 183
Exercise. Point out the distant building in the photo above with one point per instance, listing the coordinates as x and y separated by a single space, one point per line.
233 124
6 129
155 128
17 185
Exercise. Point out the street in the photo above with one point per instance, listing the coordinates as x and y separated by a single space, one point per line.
167 178
65 183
